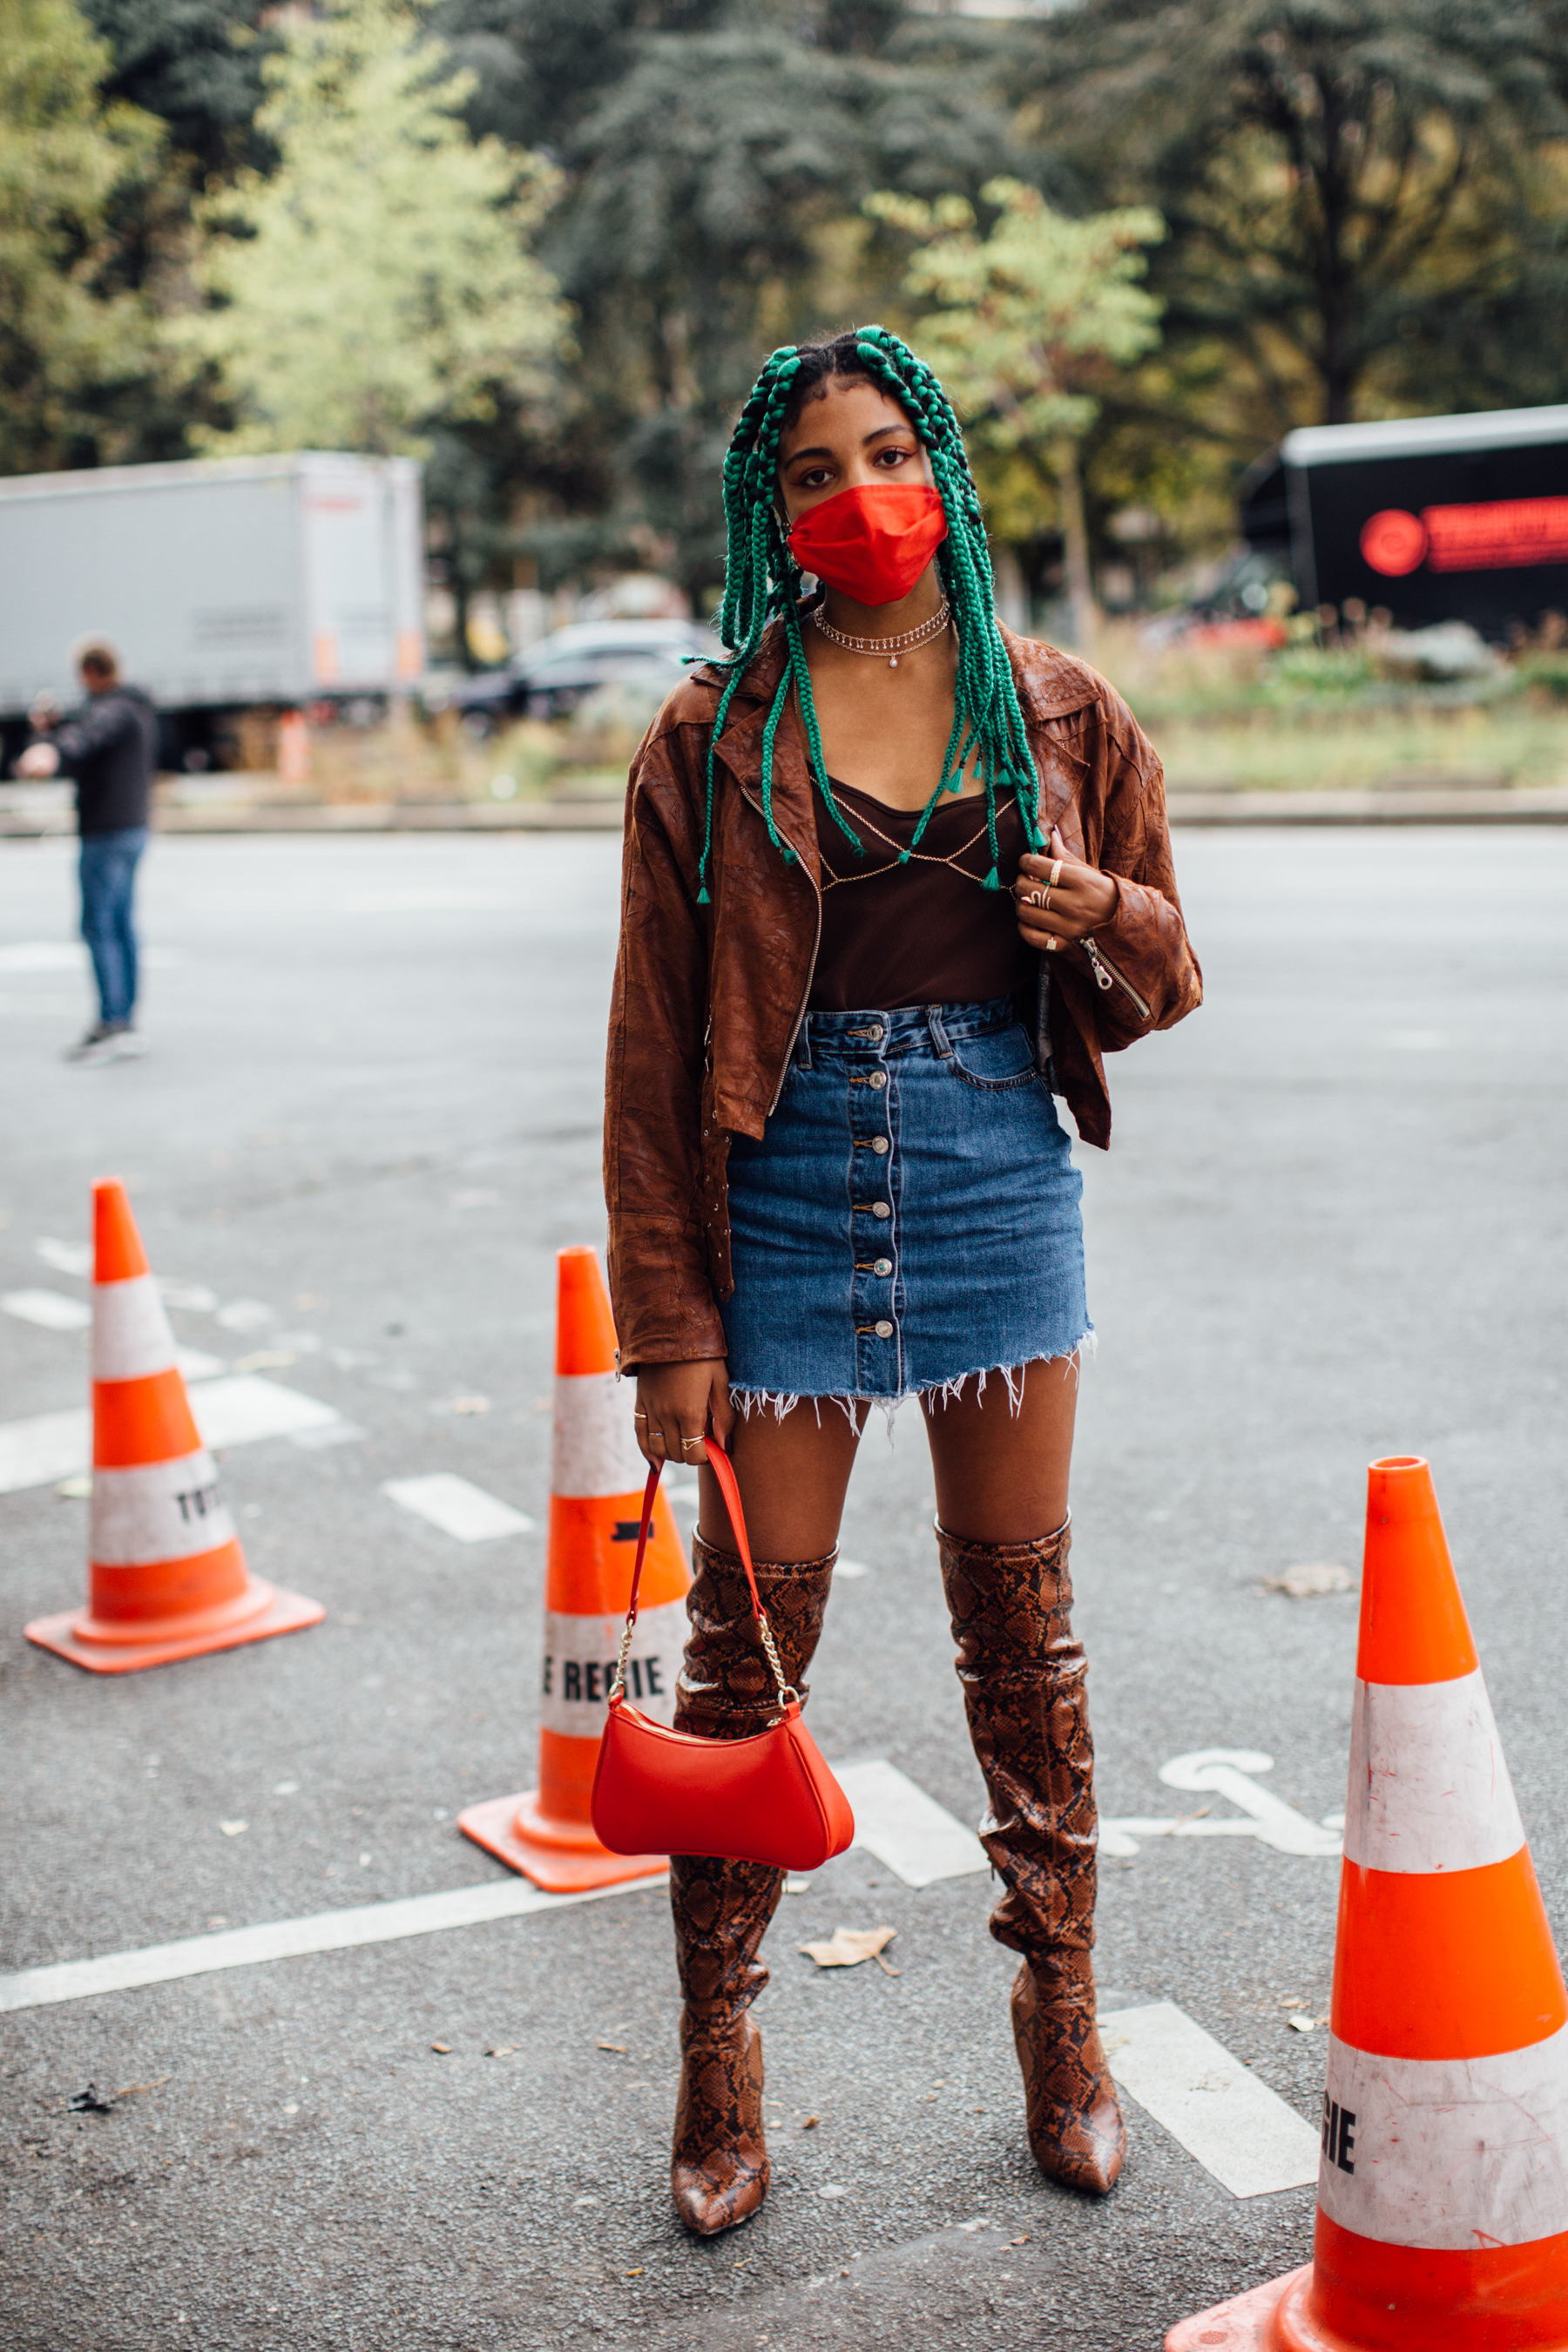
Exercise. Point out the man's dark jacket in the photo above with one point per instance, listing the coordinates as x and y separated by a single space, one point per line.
112 746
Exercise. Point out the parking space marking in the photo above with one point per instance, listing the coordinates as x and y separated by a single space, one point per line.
1237 2127
458 1507
50 1309
286 1939
236 1409
916 1838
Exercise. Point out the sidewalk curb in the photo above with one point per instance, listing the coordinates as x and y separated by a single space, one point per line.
1532 805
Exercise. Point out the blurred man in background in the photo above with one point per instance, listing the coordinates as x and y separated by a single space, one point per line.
111 746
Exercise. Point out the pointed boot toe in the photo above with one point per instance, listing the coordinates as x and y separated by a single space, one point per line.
1075 2122
718 2169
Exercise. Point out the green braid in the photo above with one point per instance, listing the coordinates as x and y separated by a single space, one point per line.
761 581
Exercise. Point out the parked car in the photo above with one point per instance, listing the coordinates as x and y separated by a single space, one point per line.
552 677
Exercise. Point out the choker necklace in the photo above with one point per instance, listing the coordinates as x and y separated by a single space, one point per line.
887 649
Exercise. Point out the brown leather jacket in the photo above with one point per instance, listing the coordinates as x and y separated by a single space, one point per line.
708 1000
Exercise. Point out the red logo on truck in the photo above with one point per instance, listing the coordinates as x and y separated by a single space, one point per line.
1487 537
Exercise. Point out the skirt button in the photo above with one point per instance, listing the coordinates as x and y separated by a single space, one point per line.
880 1209
884 1331
883 1265
879 1080
879 1143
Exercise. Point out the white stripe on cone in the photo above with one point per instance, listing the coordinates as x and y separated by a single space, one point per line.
1447 2152
1429 1786
592 1445
161 1510
131 1334
579 1656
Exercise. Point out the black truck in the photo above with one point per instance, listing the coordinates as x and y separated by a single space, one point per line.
1431 518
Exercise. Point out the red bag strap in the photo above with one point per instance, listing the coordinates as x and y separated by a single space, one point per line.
720 1464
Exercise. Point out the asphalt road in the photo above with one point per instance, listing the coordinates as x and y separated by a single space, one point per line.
1330 1227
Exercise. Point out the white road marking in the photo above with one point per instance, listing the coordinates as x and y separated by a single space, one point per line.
458 1507
284 1939
852 1568
1224 1771
50 1309
245 1314
194 1364
234 1411
915 1837
66 1257
70 955
1238 2129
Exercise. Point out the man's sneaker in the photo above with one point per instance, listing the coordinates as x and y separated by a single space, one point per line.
130 1042
101 1043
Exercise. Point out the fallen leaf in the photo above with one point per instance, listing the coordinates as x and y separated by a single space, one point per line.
848 1946
234 1829
811 2123
637 2273
1302 2024
132 2089
502 2049
444 2048
1305 1583
621 2049
1019 2242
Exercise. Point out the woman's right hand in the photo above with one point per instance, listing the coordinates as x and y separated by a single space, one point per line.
677 1405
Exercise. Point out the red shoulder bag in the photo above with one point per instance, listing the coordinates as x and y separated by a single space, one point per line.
769 1799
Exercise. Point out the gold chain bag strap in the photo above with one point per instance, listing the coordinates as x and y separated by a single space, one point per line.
768 1799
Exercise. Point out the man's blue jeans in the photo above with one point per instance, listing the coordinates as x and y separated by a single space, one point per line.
108 885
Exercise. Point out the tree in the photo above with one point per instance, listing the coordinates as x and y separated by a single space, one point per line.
1027 325
381 280
196 63
65 157
1364 196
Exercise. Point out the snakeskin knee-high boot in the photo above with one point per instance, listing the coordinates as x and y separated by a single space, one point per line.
1022 1677
718 2169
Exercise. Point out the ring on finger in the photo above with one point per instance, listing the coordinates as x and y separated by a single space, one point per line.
687 1443
1055 875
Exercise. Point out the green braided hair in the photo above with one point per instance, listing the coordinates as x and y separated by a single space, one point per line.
762 580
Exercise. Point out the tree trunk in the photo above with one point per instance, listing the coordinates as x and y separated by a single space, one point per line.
1085 613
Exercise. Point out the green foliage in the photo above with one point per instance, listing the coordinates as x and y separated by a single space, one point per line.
381 279
64 159
1364 196
196 63
1027 325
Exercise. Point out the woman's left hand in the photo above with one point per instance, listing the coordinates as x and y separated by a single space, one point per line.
1059 897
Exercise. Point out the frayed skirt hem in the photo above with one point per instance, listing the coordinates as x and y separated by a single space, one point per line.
856 1407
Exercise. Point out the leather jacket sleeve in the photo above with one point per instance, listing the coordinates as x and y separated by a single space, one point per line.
660 1285
1146 942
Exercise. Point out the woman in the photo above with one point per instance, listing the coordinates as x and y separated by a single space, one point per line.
891 876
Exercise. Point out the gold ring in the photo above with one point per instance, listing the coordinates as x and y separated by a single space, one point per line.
688 1442
1037 899
1055 875
639 1416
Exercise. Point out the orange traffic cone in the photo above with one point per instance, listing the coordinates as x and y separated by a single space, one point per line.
166 1576
1443 2184
596 1477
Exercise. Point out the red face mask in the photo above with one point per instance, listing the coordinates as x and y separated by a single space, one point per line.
872 544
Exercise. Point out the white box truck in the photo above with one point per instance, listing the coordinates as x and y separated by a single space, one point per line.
228 586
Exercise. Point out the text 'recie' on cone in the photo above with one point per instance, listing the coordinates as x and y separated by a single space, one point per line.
596 1477
1442 2220
167 1575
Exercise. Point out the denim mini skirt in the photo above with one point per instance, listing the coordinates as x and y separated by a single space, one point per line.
910 1219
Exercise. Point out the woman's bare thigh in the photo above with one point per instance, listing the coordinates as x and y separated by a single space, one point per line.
1001 1477
793 1474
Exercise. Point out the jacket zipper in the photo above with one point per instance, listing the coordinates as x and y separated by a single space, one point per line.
816 951
1106 976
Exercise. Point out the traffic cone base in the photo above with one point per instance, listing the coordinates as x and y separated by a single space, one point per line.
1246 2323
563 1862
114 1647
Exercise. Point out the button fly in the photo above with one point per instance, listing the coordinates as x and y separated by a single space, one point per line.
879 1143
880 1209
883 1265
877 1080
884 1331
